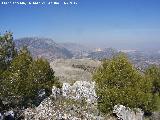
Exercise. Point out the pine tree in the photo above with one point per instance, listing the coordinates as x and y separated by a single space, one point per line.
7 51
153 72
118 82
7 54
25 78
40 76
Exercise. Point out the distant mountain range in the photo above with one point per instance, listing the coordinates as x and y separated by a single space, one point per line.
43 47
47 48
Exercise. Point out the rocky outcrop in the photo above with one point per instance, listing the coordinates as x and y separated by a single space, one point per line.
71 102
61 109
77 102
125 113
79 90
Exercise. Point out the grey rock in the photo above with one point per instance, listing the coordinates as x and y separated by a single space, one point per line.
125 113
72 102
155 116
79 90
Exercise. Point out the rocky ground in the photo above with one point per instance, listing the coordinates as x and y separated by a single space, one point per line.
77 102
72 102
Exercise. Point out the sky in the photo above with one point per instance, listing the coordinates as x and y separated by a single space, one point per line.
121 24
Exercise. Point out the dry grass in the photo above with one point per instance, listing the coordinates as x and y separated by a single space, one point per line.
66 73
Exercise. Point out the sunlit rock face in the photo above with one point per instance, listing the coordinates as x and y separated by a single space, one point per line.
71 102
45 111
79 90
125 113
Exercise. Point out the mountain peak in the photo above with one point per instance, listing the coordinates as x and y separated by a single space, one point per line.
43 47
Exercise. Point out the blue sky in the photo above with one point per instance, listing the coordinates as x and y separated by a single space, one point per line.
122 24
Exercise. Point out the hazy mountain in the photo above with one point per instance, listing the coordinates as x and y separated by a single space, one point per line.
78 50
43 47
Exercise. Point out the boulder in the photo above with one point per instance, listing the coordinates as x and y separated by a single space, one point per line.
71 102
80 90
125 113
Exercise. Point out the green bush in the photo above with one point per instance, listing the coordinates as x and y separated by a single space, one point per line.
26 77
118 82
153 73
22 77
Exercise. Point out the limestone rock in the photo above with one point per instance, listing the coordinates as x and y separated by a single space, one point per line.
79 90
125 113
71 102
61 109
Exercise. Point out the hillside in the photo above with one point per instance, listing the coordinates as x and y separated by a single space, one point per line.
71 70
43 47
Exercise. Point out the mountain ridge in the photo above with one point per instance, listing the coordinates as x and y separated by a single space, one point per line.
43 47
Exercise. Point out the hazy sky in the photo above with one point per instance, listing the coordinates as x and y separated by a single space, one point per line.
121 24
